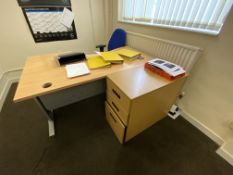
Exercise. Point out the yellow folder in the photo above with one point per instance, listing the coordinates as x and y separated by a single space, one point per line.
112 57
95 62
128 53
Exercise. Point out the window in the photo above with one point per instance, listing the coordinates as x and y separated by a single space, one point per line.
206 16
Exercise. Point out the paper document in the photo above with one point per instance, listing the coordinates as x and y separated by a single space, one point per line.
77 69
67 17
170 68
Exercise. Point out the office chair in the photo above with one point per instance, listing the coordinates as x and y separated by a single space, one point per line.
118 39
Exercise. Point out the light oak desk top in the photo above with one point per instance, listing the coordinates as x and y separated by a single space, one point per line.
137 81
42 69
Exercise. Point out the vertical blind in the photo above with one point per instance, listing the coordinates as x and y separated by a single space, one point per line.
196 15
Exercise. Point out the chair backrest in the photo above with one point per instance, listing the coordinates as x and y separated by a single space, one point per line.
118 39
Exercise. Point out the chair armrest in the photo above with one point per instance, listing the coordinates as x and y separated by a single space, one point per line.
101 47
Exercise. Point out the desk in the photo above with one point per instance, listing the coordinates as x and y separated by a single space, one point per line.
39 70
42 69
143 93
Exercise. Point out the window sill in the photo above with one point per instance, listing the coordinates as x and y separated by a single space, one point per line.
211 33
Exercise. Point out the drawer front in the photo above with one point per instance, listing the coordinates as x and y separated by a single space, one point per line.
115 123
118 109
117 95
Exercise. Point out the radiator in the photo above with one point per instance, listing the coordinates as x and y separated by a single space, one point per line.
182 54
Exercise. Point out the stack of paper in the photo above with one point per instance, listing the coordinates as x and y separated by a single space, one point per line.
165 69
95 62
77 69
111 57
170 68
130 54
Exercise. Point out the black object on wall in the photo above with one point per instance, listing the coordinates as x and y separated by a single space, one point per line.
43 17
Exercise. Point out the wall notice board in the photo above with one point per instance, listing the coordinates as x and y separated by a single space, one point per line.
44 20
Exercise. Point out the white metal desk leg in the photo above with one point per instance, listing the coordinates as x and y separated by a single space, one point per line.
50 116
51 127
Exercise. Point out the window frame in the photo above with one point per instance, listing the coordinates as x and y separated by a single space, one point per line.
179 28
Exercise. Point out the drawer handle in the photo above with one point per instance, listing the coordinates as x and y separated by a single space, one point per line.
112 117
113 90
115 106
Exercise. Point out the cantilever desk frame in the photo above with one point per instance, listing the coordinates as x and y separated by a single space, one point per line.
43 75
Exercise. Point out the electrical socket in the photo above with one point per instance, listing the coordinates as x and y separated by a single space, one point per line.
182 94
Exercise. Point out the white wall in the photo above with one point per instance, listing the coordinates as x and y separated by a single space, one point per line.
98 21
1 72
1 84
209 90
16 42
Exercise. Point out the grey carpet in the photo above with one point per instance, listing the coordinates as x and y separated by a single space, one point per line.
85 145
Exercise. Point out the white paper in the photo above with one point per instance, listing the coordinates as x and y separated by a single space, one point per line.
67 17
77 69
45 21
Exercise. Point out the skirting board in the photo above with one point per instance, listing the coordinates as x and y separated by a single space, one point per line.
5 83
225 154
209 133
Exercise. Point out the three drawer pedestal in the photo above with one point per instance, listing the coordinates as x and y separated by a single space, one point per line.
136 99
